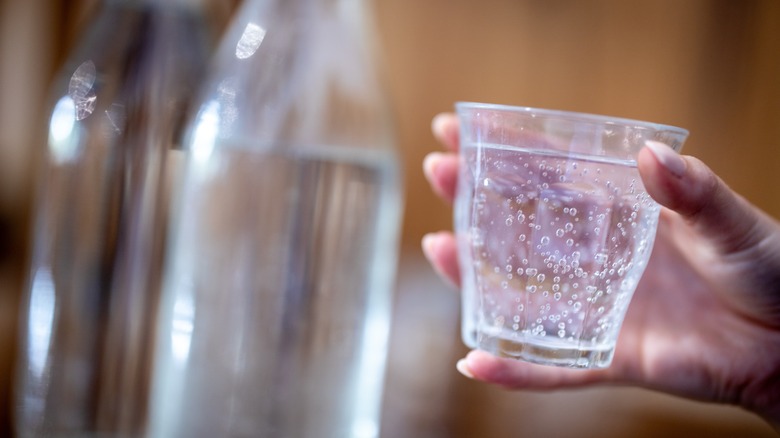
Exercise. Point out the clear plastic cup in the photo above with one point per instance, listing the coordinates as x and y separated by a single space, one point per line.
554 229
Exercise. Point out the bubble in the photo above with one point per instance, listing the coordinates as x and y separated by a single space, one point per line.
530 271
557 296
521 237
577 306
559 232
569 242
573 211
568 227
486 182
600 309
556 287
545 240
509 221
561 333
531 289
504 285
519 271
508 268
516 318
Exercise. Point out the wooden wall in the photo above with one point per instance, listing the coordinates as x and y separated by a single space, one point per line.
712 66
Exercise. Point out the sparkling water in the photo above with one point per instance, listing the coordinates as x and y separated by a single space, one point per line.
552 247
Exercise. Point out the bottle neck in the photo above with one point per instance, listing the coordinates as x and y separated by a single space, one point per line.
348 11
299 72
195 4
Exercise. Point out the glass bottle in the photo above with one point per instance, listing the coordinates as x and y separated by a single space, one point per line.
87 318
277 301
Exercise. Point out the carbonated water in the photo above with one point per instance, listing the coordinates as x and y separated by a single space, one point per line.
552 248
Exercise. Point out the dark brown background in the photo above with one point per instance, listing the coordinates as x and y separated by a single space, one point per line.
712 66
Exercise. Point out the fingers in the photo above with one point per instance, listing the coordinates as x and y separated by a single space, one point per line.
445 129
514 374
441 171
441 251
690 188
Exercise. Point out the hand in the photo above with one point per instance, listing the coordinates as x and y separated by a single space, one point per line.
704 322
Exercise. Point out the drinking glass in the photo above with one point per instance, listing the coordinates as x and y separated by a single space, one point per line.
554 230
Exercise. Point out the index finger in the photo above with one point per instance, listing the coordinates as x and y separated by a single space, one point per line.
445 128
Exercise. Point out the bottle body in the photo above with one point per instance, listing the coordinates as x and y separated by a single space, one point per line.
279 295
84 363
277 305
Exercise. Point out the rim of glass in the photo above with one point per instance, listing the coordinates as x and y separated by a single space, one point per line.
595 118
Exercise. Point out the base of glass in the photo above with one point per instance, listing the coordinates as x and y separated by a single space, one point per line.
548 352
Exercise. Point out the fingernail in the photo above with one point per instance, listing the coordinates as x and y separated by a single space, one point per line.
428 241
442 127
665 155
429 163
438 120
463 368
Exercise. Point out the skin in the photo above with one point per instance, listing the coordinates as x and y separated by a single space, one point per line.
704 322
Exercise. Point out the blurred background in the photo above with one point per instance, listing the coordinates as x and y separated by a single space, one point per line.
711 66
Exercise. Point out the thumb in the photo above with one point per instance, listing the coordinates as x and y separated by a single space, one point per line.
687 186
